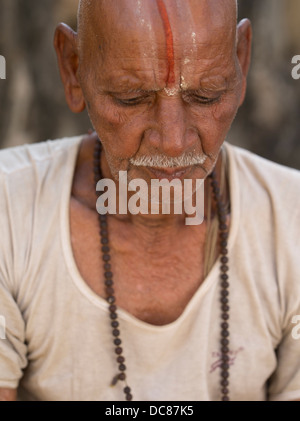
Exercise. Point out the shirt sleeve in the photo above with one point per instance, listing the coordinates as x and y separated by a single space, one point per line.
284 384
12 341
13 349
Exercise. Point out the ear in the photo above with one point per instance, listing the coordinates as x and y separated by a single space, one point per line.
244 44
65 44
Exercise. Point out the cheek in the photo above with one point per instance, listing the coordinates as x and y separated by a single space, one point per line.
102 113
222 116
213 123
225 113
120 132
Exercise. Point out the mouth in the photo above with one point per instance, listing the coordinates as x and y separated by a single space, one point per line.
169 173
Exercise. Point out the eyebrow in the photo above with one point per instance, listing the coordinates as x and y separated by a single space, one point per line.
130 91
217 83
211 87
126 87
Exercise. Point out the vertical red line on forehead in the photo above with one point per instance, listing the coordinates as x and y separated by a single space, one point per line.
169 38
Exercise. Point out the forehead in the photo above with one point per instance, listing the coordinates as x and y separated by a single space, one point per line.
131 37
127 22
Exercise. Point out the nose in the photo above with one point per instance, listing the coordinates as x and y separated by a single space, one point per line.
171 132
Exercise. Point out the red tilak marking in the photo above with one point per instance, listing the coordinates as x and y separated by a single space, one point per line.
170 44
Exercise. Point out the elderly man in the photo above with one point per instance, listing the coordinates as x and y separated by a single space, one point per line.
152 308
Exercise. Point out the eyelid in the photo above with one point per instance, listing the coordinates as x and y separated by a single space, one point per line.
131 98
207 92
135 98
202 98
130 101
131 93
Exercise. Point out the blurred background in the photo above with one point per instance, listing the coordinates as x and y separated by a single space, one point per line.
32 103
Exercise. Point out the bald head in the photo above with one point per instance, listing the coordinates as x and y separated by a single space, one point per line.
87 8
172 30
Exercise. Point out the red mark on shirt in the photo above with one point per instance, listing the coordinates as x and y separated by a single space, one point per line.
218 362
170 44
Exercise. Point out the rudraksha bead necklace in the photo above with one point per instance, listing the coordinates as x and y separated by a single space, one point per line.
224 293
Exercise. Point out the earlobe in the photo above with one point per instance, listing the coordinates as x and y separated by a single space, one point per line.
244 43
65 45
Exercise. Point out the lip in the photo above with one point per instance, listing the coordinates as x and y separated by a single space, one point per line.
169 173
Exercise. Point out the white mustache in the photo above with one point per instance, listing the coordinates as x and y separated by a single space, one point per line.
159 161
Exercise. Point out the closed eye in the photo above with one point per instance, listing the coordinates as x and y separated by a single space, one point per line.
127 101
203 100
130 101
189 97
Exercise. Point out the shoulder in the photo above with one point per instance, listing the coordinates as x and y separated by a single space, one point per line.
264 183
265 193
267 205
29 172
265 171
30 155
35 181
